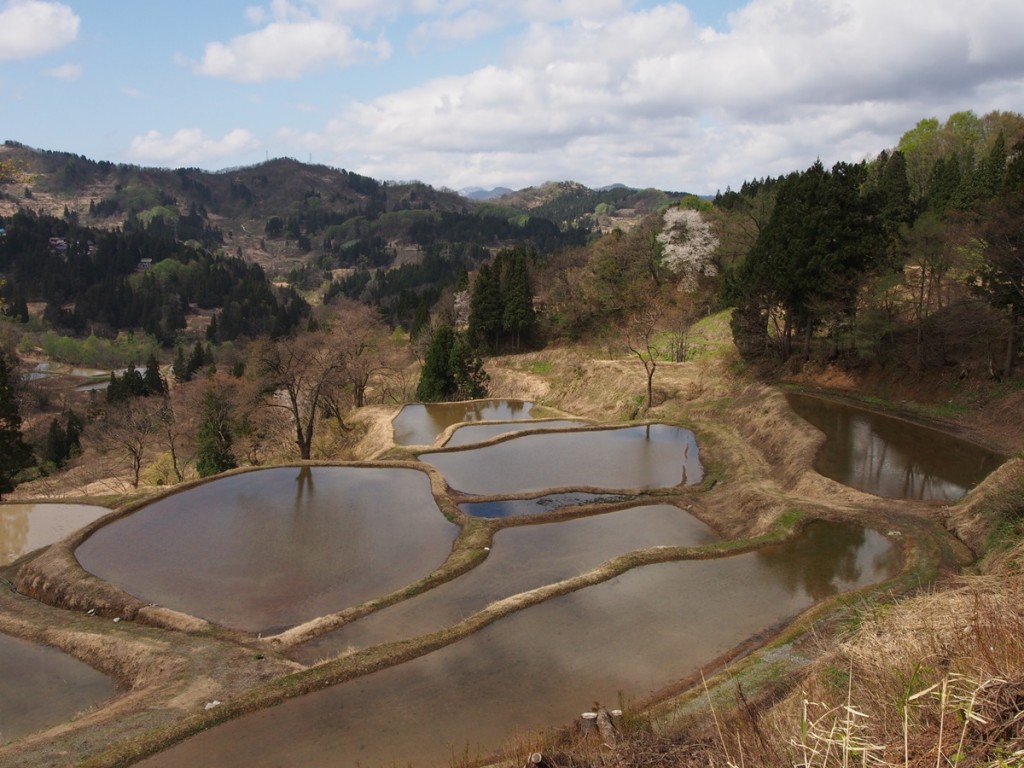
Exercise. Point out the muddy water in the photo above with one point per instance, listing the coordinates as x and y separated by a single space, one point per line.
521 559
477 433
654 456
543 665
547 503
891 457
25 527
269 549
421 423
41 686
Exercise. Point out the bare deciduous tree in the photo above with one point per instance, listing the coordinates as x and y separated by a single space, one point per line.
300 374
126 433
640 333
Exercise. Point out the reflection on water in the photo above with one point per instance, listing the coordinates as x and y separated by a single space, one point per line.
890 457
421 423
537 667
652 456
26 527
521 559
477 433
548 503
275 547
42 686
832 558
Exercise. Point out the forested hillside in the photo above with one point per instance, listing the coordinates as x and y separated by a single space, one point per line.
913 259
904 267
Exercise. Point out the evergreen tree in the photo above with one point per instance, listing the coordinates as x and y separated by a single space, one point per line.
810 258
153 380
451 369
436 382
466 371
74 424
213 454
15 455
211 330
181 373
486 308
518 317
63 439
420 320
56 450
196 360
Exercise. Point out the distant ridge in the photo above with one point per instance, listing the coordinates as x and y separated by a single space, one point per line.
479 193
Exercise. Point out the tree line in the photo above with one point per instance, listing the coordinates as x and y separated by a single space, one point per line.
874 260
135 278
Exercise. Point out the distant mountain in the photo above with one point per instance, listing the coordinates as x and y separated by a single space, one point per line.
479 193
571 204
283 213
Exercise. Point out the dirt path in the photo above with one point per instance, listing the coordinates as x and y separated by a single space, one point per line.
757 456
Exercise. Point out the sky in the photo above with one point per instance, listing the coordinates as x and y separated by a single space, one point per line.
695 96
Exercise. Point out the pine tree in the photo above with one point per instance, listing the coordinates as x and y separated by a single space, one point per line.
15 455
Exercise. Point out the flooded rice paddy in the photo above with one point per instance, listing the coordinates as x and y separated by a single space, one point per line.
643 457
478 433
545 664
521 559
41 686
27 527
269 549
892 457
422 423
272 548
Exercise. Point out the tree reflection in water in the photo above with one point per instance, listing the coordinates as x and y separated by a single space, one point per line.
828 558
892 457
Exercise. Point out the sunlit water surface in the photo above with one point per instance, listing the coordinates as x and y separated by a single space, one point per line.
272 548
653 456
27 527
521 559
422 423
545 664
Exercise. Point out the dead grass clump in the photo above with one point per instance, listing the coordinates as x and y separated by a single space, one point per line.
939 680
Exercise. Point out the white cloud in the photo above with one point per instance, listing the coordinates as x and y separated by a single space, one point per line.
66 72
287 50
464 27
190 146
31 28
649 96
